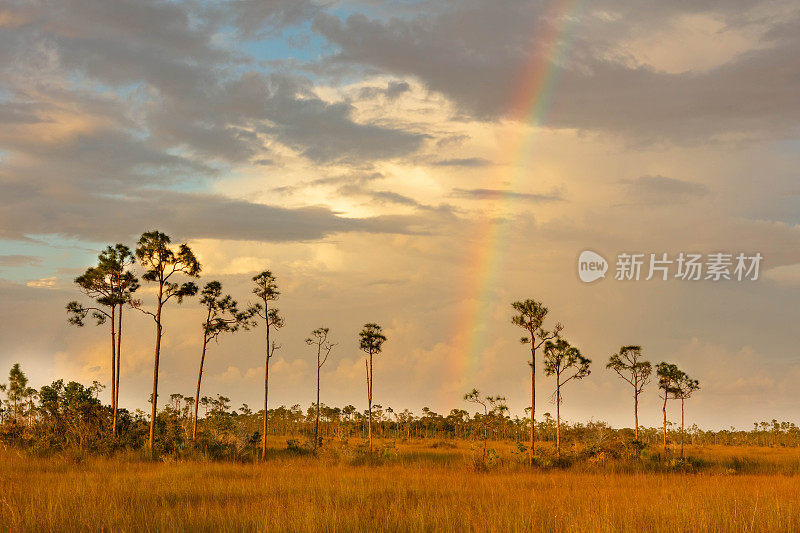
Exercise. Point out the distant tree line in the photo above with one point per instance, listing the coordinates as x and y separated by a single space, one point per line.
64 416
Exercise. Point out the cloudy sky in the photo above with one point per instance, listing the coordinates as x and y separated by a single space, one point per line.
420 164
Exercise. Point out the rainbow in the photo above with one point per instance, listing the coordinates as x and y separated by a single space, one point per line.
531 105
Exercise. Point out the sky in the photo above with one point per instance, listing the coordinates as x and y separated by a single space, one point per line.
419 164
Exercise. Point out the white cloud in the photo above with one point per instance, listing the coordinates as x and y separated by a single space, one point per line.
784 275
43 283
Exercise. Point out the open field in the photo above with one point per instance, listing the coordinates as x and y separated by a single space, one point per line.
420 488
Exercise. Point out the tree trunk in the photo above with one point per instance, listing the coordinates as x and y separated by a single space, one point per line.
113 371
155 367
266 384
558 420
119 351
369 401
533 398
316 422
199 378
485 435
682 456
664 410
154 398
266 388
636 412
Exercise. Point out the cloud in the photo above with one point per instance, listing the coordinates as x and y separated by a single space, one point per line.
19 113
231 375
119 99
784 275
661 190
501 194
353 186
379 197
256 18
480 55
157 82
392 91
393 197
188 215
15 260
325 132
725 371
463 162
44 283
104 159
359 179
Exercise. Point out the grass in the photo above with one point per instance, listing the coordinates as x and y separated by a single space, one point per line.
414 488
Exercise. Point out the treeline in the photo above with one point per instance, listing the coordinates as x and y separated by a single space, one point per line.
64 416
110 290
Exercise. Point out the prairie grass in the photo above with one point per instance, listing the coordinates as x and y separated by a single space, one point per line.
413 487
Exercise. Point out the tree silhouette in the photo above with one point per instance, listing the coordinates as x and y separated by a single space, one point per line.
492 406
110 285
566 363
266 289
391 413
669 379
686 386
371 341
629 366
530 317
319 338
97 284
17 389
222 316
162 263
116 259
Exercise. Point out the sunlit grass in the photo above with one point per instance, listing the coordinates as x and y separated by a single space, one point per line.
414 487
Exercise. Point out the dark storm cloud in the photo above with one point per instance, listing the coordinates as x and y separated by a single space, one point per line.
479 52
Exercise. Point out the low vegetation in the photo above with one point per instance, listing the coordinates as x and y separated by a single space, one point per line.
420 485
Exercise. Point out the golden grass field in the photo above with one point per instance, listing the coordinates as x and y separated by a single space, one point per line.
419 488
